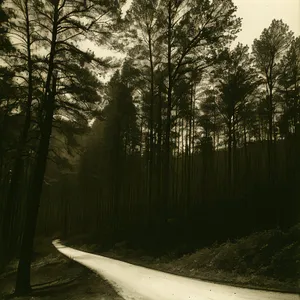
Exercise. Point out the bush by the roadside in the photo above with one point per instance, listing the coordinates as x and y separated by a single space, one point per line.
272 253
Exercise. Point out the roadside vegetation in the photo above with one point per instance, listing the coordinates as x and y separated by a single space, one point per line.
267 260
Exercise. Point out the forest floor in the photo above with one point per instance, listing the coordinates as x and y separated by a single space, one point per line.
56 277
268 260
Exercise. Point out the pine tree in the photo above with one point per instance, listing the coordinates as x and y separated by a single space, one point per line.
61 27
268 50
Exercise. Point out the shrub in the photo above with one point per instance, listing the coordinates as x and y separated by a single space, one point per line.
286 262
271 253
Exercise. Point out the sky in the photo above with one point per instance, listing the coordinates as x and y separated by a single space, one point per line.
256 15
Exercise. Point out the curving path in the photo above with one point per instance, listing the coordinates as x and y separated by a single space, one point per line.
139 283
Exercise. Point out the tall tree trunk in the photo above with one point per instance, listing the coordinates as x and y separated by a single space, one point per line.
117 169
23 273
190 138
10 235
151 160
234 154
169 111
178 188
229 159
193 142
270 123
183 163
159 158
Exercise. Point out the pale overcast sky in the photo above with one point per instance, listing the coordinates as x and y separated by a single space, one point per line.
258 14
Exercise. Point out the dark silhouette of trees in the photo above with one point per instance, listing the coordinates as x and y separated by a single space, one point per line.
5 43
22 31
237 81
190 141
268 51
58 27
7 96
144 24
218 169
289 89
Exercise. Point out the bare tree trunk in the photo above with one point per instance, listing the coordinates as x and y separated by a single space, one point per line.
151 157
270 123
10 235
159 181
229 157
23 273
169 112
189 169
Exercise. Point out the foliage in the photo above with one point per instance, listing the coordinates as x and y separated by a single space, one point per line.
271 253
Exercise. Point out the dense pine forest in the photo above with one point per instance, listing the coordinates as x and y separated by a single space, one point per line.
188 139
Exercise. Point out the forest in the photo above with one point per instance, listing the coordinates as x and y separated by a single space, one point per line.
188 139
